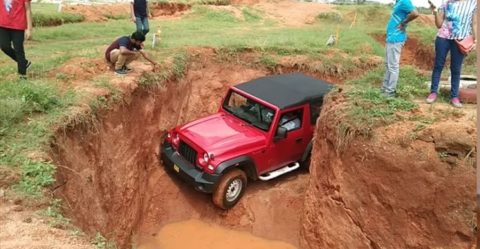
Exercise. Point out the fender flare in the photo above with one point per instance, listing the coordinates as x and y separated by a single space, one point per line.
245 162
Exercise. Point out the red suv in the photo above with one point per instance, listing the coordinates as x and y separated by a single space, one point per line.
263 129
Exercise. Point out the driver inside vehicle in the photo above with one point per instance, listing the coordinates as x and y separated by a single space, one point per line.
290 121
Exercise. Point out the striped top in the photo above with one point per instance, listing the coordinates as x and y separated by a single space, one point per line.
458 18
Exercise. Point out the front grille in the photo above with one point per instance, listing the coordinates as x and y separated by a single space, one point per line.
187 152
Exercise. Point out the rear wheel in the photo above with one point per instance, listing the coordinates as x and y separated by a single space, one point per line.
305 164
230 189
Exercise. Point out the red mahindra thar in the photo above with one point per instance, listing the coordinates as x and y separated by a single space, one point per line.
263 129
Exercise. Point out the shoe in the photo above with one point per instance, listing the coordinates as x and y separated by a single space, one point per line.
388 95
431 98
456 102
22 77
120 72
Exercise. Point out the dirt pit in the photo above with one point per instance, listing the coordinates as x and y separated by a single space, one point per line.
112 182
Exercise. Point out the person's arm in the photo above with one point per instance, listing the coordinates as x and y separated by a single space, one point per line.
439 16
145 55
28 9
413 14
132 12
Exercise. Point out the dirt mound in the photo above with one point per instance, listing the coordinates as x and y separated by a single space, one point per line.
168 9
80 69
99 12
393 191
103 12
293 13
414 53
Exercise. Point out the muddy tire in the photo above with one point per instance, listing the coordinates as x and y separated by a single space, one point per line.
230 189
305 164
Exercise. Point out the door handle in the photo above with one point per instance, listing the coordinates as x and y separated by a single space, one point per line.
298 140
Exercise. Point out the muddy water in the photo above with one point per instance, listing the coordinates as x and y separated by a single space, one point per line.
200 235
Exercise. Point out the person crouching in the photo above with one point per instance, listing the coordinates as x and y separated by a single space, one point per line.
126 49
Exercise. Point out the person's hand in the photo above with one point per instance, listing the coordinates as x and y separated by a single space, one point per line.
134 19
28 34
402 26
432 6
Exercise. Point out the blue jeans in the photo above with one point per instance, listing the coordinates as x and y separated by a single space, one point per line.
442 47
142 24
392 66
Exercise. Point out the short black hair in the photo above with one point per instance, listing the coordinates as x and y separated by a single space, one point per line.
139 36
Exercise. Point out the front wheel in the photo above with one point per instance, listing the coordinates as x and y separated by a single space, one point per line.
230 189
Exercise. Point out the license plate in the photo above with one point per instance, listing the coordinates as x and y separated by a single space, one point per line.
176 168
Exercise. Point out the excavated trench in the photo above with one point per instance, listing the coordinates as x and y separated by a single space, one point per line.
368 196
112 182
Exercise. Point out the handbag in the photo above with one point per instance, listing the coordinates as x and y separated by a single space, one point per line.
466 44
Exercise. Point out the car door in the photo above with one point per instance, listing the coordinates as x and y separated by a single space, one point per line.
289 149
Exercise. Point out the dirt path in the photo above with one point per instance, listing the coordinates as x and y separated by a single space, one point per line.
293 13
22 228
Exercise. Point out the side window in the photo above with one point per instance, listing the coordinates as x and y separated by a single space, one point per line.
315 108
292 120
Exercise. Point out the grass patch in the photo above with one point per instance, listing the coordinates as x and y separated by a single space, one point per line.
101 242
330 17
55 19
35 176
19 99
174 71
251 15
368 109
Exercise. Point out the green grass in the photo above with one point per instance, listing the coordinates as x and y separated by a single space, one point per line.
44 14
35 176
101 242
368 109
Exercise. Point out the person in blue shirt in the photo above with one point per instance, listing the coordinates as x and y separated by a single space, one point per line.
403 13
140 13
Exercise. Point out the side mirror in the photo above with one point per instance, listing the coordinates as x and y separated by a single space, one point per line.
281 133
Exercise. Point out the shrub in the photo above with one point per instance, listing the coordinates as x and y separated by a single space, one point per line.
55 19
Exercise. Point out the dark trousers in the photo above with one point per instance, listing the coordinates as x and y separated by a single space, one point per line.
9 37
442 47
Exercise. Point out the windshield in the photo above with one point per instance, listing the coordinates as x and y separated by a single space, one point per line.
249 110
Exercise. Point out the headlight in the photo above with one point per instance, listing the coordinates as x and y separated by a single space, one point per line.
206 158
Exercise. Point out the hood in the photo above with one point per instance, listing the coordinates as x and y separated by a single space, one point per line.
220 133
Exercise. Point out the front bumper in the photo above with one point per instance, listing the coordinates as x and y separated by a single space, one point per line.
202 181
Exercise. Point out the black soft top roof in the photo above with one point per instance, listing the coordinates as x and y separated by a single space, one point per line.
286 90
